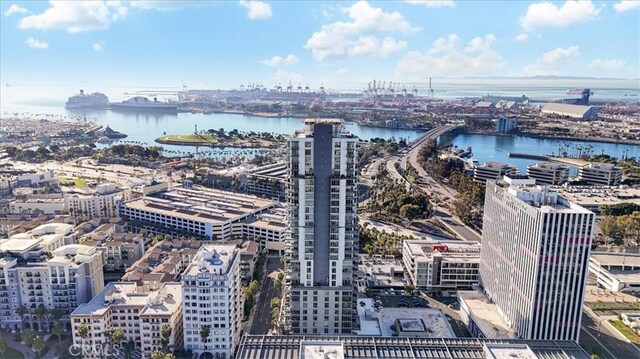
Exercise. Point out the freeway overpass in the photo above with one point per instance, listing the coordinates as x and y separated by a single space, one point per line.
411 154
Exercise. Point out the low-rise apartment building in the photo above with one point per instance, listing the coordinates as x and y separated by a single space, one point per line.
141 312
98 202
119 250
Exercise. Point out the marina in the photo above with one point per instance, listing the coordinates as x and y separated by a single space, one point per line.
497 148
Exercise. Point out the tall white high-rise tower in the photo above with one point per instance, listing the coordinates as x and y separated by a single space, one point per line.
534 258
323 237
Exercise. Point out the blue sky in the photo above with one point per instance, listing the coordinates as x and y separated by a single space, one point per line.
220 44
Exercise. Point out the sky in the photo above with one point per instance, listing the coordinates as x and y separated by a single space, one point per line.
221 44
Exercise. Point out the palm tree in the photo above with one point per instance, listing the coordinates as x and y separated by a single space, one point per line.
115 335
57 331
83 332
205 331
128 348
22 311
3 346
38 345
41 312
57 314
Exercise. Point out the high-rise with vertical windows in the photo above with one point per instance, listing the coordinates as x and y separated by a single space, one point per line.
211 312
322 229
534 258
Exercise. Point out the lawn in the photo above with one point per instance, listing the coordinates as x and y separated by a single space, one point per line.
626 331
13 353
77 182
190 138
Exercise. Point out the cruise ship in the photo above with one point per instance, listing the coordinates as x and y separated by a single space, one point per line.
143 104
82 100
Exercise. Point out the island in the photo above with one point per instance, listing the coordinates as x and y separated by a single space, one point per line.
220 138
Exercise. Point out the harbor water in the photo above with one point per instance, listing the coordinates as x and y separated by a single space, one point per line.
496 148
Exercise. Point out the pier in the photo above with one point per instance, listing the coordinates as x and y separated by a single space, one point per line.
576 162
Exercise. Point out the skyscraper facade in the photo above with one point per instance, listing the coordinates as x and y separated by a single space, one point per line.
534 258
322 229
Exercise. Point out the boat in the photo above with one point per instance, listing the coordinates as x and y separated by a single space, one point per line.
110 133
143 104
82 100
104 139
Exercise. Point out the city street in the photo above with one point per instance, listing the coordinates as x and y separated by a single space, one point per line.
262 310
595 334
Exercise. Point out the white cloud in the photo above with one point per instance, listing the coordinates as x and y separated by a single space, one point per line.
277 61
371 45
444 58
552 62
258 10
168 5
626 5
548 14
341 71
355 37
432 3
290 59
76 16
286 76
98 47
479 44
522 37
15 9
606 64
35 44
274 61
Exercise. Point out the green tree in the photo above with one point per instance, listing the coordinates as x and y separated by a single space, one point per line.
38 345
57 314
83 332
410 211
368 248
22 311
205 331
629 227
128 349
57 330
115 335
41 313
27 336
275 309
609 228
409 288
165 335
3 346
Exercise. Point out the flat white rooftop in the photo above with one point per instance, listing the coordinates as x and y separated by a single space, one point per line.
485 315
165 300
430 323
461 250
214 259
321 350
607 259
508 351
